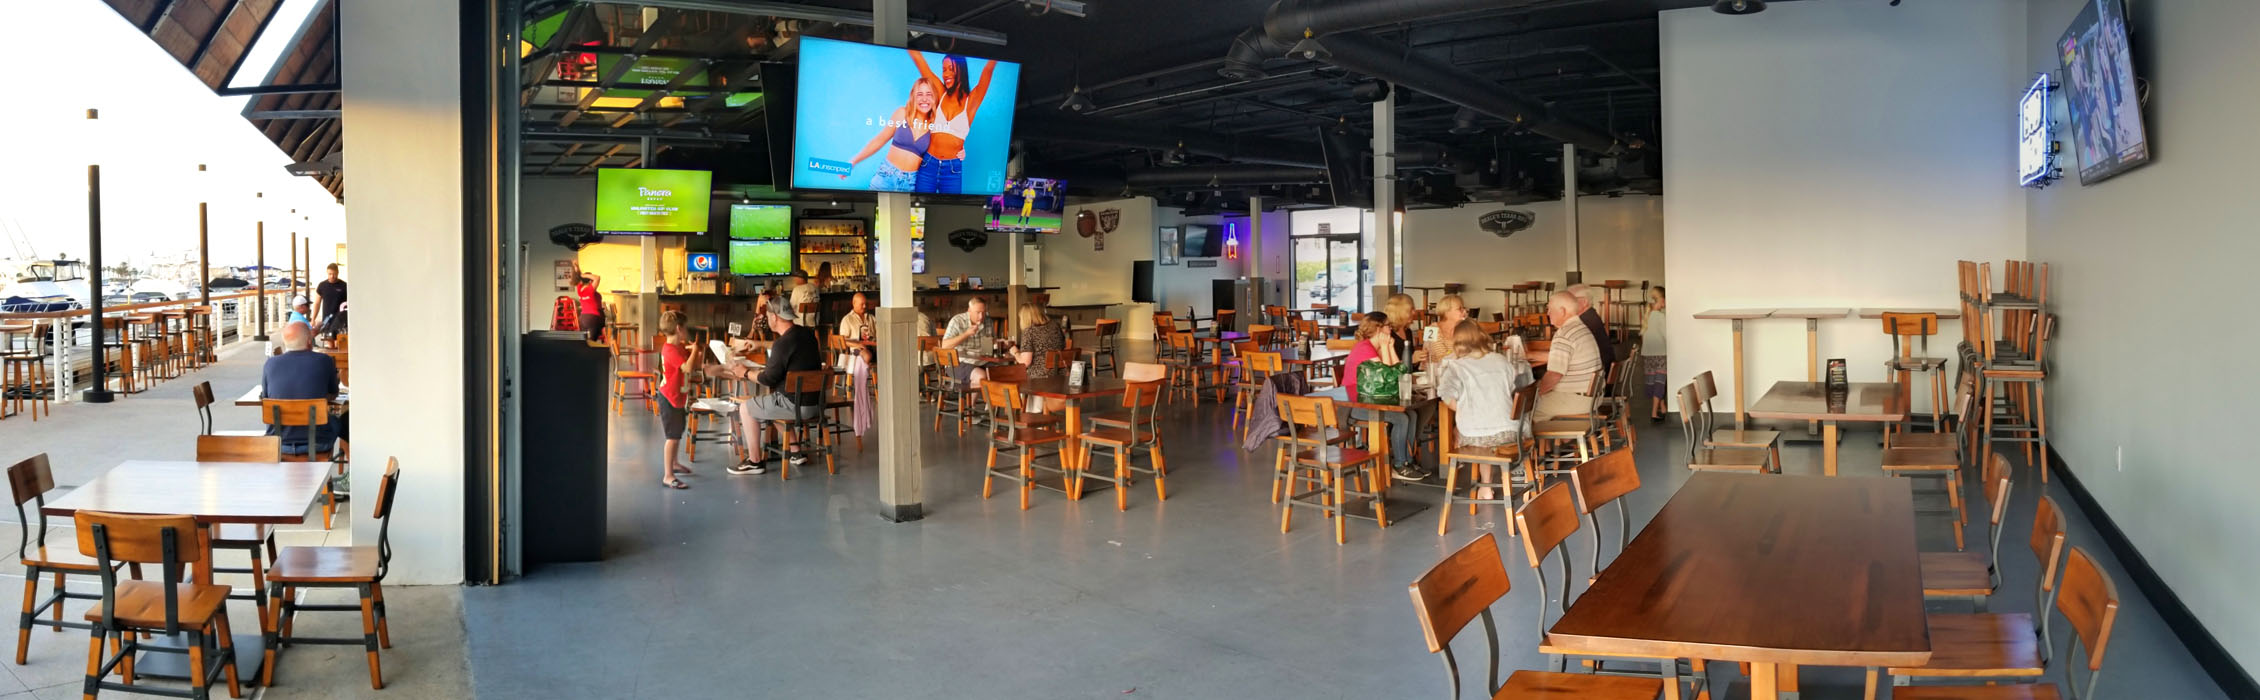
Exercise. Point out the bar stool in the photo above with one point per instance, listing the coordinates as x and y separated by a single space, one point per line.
1906 331
23 371
117 340
207 341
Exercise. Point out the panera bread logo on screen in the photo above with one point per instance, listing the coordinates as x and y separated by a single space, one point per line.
648 192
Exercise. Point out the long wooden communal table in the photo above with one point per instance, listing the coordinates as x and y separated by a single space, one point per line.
1776 571
214 493
1861 402
1056 388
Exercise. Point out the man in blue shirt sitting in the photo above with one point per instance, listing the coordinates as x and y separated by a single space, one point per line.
301 373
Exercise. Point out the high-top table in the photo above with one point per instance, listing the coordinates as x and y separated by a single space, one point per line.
1813 319
1737 316
1865 402
1776 571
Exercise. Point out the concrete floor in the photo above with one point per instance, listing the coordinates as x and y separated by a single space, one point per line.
83 440
757 587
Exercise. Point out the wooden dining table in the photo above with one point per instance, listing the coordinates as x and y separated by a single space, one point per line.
1056 388
1377 439
256 396
214 493
1860 402
1774 571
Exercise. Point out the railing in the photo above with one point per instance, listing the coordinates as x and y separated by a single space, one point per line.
234 314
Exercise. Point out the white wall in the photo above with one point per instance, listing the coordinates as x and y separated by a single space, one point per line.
1182 285
404 224
1087 276
1620 238
1833 154
2154 377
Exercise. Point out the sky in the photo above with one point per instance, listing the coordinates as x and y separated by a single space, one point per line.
157 123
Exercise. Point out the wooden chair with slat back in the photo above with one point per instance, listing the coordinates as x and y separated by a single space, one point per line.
1706 389
311 415
1139 402
1311 456
1943 463
1909 331
1461 589
2090 604
202 393
1165 323
809 430
29 481
1998 645
1256 370
1547 521
1103 334
1604 480
1966 574
130 608
1503 459
1011 431
1059 361
359 568
1187 366
1694 423
1582 433
257 542
952 398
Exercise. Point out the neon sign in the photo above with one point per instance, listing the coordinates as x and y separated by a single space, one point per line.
2036 137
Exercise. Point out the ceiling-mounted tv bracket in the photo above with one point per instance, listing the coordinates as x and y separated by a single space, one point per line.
2037 142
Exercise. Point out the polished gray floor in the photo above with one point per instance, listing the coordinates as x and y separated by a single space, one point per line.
758 587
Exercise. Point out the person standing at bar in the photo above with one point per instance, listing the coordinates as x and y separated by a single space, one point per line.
592 308
332 293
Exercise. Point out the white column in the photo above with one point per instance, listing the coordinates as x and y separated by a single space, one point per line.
1569 213
1253 270
404 223
901 485
1016 290
1384 198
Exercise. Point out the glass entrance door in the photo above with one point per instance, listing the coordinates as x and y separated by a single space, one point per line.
1327 272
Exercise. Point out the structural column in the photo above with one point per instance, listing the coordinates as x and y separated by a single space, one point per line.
1384 198
901 483
1576 268
1253 270
1016 285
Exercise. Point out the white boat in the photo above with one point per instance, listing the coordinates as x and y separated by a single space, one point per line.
47 285
171 290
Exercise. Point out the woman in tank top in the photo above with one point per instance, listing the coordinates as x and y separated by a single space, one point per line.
907 135
943 170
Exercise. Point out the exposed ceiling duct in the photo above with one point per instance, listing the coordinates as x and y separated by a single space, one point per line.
1319 29
1126 135
1230 175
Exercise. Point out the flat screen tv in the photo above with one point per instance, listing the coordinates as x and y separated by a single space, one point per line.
885 119
1201 241
642 201
761 222
2099 84
917 240
1028 205
761 258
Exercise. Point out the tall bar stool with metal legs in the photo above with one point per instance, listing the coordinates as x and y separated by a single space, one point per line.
23 373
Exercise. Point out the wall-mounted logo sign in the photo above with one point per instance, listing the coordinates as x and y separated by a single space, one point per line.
2036 136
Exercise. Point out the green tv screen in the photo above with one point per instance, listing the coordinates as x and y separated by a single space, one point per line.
761 222
761 258
632 201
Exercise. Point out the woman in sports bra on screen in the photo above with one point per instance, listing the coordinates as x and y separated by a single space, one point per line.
943 170
906 137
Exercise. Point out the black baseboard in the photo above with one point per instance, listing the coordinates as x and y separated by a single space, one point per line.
903 513
2216 660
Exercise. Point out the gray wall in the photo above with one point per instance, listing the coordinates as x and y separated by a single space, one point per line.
2144 267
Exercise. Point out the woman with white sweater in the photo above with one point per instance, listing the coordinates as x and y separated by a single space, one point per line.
1479 383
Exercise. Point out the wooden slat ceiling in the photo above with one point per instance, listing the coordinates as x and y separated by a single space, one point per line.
209 37
313 60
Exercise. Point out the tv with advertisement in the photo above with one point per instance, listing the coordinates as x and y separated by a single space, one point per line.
704 262
886 119
917 240
1202 241
642 201
761 258
1028 205
2099 85
761 222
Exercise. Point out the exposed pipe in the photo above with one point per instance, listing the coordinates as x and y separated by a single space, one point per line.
1244 61
1229 175
1123 135
1288 21
1374 56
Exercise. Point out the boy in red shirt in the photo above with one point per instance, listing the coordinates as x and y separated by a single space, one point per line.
674 408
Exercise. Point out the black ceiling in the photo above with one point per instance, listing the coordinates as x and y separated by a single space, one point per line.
1153 65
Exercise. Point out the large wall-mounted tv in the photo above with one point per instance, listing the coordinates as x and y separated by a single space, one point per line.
761 222
761 258
1201 241
887 119
1028 205
2099 83
639 201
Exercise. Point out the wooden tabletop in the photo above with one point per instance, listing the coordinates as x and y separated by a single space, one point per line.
1862 401
258 392
1225 337
1341 397
1811 313
1310 356
212 492
1734 314
1878 312
1056 387
1765 568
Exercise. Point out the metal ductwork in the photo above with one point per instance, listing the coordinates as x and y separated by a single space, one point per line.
1295 23
1231 175
1125 135
1244 61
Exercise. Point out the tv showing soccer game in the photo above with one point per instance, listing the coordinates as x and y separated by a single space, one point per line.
635 201
885 119
1028 205
761 258
2099 84
761 222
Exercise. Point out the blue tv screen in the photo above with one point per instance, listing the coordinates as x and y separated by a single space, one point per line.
886 119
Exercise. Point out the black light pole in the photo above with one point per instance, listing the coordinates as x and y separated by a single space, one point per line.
100 392
204 248
259 277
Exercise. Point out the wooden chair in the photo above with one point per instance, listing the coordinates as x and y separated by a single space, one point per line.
1545 523
952 398
647 382
29 481
2015 399
1187 366
1132 373
359 568
312 415
1103 338
1706 389
1060 361
1907 331
1605 480
1463 587
1996 645
1256 369
1966 574
1165 323
23 376
1505 457
1009 431
1942 463
257 542
202 393
1140 433
1313 458
2090 603
1695 423
810 432
130 608
1580 431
